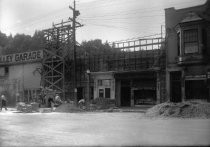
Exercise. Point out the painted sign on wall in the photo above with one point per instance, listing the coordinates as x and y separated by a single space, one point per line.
22 57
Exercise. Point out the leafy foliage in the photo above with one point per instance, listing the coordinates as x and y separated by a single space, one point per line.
23 43
95 47
20 42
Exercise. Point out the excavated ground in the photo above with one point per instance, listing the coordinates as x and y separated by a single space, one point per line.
189 109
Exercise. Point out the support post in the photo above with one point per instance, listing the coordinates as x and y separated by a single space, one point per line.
88 87
158 87
183 86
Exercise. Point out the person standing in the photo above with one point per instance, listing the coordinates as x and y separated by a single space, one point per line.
58 99
3 102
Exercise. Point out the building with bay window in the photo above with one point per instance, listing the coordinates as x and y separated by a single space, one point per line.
188 53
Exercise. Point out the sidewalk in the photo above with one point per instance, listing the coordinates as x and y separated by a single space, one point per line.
9 110
137 109
140 108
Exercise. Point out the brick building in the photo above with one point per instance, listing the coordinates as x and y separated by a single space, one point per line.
188 53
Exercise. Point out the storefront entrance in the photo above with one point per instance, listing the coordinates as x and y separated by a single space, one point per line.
126 96
144 97
137 88
175 86
80 93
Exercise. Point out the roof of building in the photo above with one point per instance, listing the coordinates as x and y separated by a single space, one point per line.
192 16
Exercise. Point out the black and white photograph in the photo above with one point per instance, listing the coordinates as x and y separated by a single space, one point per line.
104 73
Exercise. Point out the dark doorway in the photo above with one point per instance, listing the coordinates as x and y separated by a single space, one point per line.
125 96
107 93
175 86
91 92
80 93
196 89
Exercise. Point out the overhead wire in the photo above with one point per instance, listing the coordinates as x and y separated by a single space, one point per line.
43 19
146 16
120 14
130 29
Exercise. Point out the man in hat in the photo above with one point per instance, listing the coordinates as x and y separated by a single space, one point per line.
3 102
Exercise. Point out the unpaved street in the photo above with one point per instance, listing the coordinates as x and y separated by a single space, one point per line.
58 129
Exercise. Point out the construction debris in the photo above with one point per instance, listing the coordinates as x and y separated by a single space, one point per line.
189 109
94 105
103 103
68 107
27 108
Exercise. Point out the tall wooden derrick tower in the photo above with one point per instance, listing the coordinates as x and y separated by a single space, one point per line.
60 45
57 42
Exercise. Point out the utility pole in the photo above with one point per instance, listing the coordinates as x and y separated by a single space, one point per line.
75 14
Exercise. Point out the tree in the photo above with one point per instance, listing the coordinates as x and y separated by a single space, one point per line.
21 42
95 47
37 40
3 39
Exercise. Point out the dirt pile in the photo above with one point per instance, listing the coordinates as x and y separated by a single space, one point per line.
190 109
68 107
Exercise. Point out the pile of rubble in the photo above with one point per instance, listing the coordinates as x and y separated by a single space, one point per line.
68 107
28 108
189 109
102 103
94 105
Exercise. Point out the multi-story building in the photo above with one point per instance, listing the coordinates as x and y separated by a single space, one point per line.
188 53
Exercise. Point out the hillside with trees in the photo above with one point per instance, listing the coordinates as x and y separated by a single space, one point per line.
20 42
23 43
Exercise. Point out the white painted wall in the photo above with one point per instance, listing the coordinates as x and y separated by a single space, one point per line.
26 75
20 78
104 76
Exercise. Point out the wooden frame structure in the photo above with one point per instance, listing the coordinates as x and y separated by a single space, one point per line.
146 54
57 43
57 63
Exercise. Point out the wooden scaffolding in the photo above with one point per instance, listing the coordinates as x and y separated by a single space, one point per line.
57 43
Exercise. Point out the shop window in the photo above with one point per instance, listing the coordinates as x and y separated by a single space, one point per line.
101 93
178 43
204 41
99 82
107 93
6 70
2 71
196 89
106 82
190 39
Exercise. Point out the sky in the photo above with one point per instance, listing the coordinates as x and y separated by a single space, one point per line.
108 20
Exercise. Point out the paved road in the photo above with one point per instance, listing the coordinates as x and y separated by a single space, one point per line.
107 129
